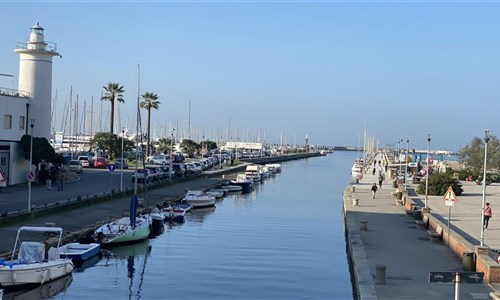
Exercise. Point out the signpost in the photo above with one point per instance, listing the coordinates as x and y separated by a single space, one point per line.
450 199
112 168
3 179
456 278
30 176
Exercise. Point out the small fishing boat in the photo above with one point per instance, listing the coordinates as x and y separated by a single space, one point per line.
78 251
232 188
175 213
31 266
198 199
158 219
245 184
217 193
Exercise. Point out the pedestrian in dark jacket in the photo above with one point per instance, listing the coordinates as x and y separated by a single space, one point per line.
374 190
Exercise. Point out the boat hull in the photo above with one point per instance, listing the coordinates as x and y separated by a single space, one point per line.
121 233
79 252
34 273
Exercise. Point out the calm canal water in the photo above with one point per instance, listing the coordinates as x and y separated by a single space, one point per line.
285 240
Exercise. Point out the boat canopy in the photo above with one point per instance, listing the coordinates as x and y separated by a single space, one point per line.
40 229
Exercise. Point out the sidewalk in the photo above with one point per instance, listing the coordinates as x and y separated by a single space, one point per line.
392 240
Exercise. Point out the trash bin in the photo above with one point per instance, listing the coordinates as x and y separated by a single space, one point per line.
417 214
468 262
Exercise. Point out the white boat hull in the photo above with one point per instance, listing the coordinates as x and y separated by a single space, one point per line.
34 273
120 231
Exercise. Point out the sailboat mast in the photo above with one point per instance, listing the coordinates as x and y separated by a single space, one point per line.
137 131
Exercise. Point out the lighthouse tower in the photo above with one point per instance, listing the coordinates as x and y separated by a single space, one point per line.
35 79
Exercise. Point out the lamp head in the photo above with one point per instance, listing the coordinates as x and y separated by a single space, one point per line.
32 123
428 137
486 135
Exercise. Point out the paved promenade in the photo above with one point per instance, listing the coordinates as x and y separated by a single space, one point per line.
393 240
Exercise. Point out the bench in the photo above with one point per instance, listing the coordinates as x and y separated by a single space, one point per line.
413 208
437 234
422 223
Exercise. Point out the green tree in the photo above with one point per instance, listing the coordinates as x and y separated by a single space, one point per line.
42 150
472 155
190 147
111 143
209 145
113 92
439 184
150 102
165 145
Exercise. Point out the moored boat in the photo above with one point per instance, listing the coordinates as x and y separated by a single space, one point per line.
198 199
125 230
78 251
232 188
31 267
245 184
175 213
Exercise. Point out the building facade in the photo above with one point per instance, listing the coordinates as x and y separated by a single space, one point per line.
30 104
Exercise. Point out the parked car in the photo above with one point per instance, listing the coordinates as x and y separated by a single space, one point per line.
74 165
167 173
100 162
160 160
119 162
143 176
84 161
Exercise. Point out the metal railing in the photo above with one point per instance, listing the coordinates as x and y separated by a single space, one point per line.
14 93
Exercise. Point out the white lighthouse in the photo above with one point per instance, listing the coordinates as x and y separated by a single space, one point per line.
35 79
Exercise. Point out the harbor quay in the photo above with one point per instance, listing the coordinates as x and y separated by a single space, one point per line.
393 247
78 216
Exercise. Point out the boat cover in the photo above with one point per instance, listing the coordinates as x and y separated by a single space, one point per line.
31 252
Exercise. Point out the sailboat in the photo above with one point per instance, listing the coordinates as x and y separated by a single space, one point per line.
131 229
125 230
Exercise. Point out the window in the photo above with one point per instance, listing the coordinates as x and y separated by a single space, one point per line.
21 123
7 122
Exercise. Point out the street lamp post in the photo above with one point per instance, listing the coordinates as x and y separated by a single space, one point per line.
427 168
407 156
400 163
486 140
121 164
32 124
171 155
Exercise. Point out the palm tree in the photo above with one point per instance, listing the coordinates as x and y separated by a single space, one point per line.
113 92
150 101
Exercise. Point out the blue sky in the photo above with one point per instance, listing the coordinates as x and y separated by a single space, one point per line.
316 68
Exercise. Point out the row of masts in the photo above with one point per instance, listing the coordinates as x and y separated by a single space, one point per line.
79 120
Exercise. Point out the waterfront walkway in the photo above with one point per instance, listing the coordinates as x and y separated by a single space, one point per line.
393 240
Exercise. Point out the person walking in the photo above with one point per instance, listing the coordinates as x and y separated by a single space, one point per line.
374 189
487 215
380 179
373 171
61 180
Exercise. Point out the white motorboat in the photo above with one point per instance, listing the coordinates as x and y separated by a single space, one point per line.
217 193
232 188
198 199
31 267
274 168
125 230
252 173
264 172
245 184
175 213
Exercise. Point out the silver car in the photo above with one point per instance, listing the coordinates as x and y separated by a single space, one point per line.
74 165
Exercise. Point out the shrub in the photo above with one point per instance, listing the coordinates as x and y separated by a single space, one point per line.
439 184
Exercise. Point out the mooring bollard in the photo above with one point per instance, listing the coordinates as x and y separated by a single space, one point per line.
363 225
355 201
380 274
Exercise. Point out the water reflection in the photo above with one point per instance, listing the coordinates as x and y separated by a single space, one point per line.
80 266
200 214
45 291
136 257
